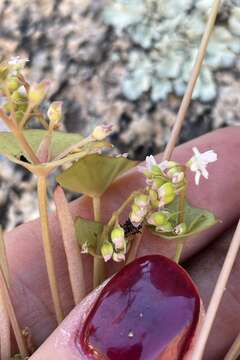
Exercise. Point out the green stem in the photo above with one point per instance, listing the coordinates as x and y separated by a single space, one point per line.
47 245
118 212
181 214
20 137
98 262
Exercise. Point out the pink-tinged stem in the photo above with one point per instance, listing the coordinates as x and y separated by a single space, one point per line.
71 246
12 316
217 295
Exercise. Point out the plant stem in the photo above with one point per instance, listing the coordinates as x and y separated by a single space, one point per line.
20 137
234 351
98 262
25 145
47 245
25 116
3 257
134 247
72 250
12 316
180 243
5 337
217 295
192 82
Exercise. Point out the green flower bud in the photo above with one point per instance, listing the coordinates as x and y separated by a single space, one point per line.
181 229
18 98
153 198
166 193
12 83
107 250
137 214
37 92
118 237
167 227
4 68
19 115
7 107
176 173
102 131
55 112
155 170
157 182
157 218
141 200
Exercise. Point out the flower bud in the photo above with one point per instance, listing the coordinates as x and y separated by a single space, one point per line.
55 112
107 250
12 83
118 257
102 131
176 174
37 92
153 198
167 227
137 214
157 182
180 229
118 238
3 71
157 218
141 200
18 97
166 193
84 249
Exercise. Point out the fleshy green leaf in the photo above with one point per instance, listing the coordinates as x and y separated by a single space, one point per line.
196 220
93 174
60 141
88 232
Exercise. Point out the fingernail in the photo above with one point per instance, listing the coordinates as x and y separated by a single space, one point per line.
149 310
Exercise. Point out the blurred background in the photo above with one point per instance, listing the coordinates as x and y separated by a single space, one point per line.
125 62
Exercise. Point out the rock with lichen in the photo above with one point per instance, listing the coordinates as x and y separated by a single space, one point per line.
167 39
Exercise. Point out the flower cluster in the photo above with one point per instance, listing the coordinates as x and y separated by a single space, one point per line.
165 182
116 248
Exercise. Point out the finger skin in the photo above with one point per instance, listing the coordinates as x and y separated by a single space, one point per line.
204 269
24 248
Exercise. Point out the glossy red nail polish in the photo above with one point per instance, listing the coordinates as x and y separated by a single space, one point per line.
147 311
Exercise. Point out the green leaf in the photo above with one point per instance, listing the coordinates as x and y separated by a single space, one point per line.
88 233
9 146
93 174
196 220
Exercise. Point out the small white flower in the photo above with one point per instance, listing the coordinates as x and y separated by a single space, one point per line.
198 163
16 60
150 162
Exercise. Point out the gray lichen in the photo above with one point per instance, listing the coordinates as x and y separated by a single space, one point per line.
165 39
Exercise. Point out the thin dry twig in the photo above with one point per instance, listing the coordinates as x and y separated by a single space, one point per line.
5 337
217 295
234 351
12 316
72 250
192 82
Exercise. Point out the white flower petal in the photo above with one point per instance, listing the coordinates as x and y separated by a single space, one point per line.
209 156
197 177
